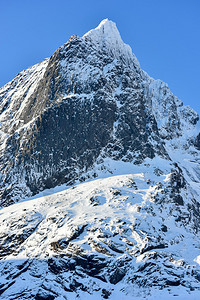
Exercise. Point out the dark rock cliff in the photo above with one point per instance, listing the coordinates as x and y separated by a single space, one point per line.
88 100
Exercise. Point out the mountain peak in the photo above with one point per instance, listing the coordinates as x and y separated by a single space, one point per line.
107 37
105 29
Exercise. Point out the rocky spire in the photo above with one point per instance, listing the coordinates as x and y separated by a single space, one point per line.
107 37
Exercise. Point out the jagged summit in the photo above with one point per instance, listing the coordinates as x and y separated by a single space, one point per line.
107 36
105 32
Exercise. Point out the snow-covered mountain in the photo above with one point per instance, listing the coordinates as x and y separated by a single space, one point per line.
90 113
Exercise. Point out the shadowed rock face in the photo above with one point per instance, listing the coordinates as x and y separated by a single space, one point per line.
197 141
84 103
72 120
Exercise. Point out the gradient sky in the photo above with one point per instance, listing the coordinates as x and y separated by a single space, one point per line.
163 34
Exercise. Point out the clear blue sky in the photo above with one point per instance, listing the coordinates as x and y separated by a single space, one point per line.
163 34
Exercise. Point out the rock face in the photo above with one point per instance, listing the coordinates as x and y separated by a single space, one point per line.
89 100
90 111
197 142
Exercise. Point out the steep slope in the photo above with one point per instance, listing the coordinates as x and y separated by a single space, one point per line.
90 100
115 237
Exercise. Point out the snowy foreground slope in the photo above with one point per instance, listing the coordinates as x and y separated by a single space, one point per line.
99 179
116 237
